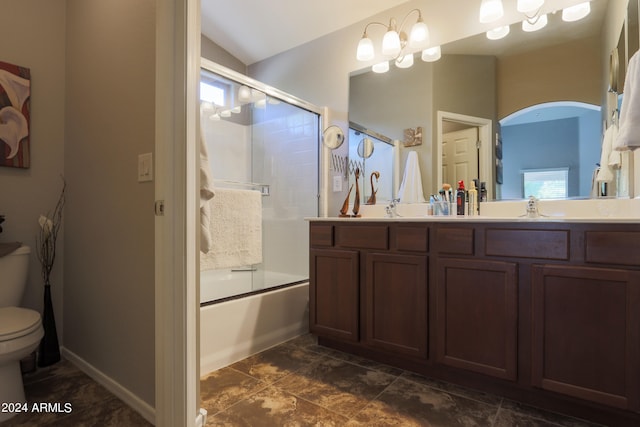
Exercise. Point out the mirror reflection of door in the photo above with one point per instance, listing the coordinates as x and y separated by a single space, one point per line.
459 155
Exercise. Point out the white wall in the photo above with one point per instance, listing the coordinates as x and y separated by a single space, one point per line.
109 236
32 34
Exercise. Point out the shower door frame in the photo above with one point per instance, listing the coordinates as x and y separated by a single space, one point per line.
323 112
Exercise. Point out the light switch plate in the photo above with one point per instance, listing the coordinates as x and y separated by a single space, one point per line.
145 167
337 183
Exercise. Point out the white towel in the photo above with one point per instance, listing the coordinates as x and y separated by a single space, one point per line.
411 187
206 194
236 230
629 132
605 173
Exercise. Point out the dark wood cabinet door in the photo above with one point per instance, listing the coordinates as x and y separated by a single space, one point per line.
396 303
477 316
334 293
586 333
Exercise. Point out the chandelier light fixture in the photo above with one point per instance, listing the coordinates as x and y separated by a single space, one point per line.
577 12
498 33
539 22
491 11
528 6
396 45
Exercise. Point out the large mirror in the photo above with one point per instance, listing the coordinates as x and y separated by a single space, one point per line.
528 107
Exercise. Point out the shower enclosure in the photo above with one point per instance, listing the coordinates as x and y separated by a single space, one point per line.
262 140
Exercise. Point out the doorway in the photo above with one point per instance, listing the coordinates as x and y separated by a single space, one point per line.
459 130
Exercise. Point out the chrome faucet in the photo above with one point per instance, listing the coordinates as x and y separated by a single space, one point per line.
391 208
532 208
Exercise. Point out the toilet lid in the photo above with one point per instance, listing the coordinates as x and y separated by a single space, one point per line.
16 322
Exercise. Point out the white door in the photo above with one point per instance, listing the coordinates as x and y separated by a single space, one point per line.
460 156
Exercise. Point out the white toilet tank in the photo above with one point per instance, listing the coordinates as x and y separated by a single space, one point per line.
13 276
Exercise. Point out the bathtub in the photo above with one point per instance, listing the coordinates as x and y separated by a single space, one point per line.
227 283
237 328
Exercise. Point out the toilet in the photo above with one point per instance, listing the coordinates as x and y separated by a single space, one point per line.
20 328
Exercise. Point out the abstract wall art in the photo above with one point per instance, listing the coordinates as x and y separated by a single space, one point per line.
15 93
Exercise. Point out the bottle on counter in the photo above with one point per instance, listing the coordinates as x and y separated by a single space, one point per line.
460 198
483 192
473 198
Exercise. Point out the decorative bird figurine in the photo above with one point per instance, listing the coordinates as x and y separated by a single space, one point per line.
345 205
356 202
372 199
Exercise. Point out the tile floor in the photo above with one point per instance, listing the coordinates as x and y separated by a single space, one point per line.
83 402
297 383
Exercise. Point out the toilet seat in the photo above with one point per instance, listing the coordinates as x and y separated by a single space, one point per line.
16 322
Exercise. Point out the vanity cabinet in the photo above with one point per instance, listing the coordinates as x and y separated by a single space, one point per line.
334 305
586 333
369 284
543 312
477 315
395 292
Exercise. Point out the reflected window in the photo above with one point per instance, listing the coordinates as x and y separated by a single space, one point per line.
212 94
546 183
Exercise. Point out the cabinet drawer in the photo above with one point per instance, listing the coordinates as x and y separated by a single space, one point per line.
362 236
613 247
408 238
542 244
458 241
321 235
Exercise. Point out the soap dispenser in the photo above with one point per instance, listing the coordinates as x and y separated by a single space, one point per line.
460 198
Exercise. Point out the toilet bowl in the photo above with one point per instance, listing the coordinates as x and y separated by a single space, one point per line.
20 328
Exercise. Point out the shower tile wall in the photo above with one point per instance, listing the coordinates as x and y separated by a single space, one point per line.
229 147
286 138
280 149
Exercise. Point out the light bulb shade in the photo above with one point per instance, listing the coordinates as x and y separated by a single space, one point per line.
381 67
577 12
491 10
526 6
432 54
419 36
529 27
498 33
391 44
244 94
365 50
405 61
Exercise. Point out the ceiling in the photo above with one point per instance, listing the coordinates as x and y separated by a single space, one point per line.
253 30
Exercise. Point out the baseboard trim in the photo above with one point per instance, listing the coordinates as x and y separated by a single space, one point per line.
137 404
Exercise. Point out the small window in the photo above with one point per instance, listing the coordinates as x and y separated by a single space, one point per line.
213 94
546 183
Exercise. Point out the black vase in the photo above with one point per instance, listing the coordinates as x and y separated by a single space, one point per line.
49 347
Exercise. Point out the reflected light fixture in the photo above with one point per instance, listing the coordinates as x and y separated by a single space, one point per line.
432 54
498 33
244 93
381 67
530 25
490 11
396 45
577 12
528 6
405 61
